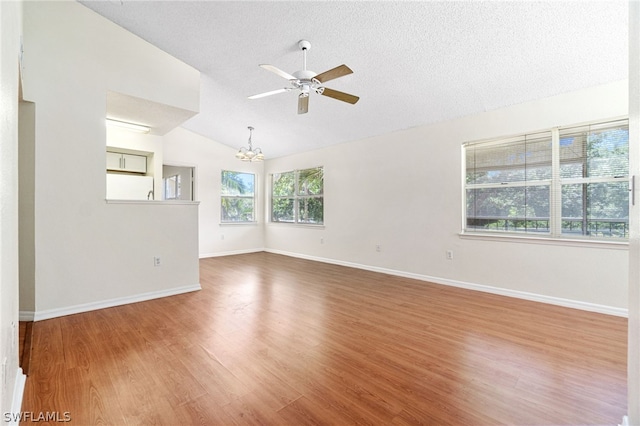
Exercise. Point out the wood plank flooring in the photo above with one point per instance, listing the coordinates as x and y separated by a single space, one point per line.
273 340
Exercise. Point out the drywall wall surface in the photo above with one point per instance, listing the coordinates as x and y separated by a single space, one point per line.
209 158
633 355
10 23
88 250
403 193
26 184
121 63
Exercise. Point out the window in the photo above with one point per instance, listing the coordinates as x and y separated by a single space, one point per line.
238 197
594 168
568 182
297 196
172 188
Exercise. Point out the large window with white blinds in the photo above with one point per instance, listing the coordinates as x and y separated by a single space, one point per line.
565 182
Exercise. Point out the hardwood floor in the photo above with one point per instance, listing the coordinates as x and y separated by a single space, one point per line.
273 340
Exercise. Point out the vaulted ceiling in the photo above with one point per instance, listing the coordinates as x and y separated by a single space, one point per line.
414 62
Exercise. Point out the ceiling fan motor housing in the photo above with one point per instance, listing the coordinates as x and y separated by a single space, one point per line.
306 81
304 75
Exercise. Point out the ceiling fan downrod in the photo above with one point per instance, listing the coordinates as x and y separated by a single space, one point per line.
304 45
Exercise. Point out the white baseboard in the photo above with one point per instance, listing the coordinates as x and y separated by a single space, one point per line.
86 307
568 303
16 401
231 253
26 316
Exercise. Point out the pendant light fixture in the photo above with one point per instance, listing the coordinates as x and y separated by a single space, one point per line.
251 153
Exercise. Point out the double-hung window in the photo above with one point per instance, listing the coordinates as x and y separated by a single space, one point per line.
594 169
508 184
298 196
566 182
238 197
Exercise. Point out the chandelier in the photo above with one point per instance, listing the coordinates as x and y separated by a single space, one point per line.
251 153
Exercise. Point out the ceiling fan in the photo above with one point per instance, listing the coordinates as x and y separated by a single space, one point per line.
307 81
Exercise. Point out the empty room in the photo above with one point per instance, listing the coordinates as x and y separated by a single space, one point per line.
320 212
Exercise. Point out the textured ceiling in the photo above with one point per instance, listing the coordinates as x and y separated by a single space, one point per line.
414 62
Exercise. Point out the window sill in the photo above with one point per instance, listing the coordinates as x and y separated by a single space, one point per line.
238 223
297 225
536 239
152 202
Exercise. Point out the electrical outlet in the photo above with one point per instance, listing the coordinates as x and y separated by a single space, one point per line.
449 254
222 236
321 240
156 261
378 248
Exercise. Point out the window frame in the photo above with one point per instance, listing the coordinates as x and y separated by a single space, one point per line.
556 183
175 182
252 197
297 198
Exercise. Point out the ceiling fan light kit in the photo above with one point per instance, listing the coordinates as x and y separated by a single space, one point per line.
306 81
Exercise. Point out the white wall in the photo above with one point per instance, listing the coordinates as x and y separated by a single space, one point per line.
90 253
633 355
185 148
26 185
403 191
10 23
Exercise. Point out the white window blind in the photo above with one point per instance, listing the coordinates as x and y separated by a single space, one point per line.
594 168
565 182
508 184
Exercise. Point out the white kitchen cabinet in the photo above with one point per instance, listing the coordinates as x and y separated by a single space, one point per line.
121 162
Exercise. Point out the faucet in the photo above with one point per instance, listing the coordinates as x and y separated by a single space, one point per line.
150 195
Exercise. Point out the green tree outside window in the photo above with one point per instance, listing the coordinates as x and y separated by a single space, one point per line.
238 197
297 196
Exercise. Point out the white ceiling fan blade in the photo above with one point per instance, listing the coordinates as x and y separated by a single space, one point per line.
273 92
278 71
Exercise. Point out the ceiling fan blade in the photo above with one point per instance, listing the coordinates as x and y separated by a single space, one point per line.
278 71
303 104
336 72
273 92
341 96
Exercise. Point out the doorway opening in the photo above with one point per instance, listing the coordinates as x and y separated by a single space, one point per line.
178 182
